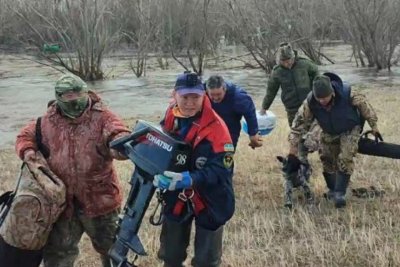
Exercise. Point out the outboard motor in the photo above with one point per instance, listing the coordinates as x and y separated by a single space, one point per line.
153 152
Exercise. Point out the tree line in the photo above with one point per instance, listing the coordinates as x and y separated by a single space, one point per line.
78 34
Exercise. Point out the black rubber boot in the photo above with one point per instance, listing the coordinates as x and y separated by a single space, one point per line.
330 180
308 194
342 181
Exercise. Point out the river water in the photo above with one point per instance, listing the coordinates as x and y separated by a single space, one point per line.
26 87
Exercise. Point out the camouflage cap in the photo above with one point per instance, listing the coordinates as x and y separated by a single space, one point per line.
322 86
70 82
285 51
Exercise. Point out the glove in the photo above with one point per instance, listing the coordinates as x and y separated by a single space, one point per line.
263 111
161 181
173 180
115 154
377 134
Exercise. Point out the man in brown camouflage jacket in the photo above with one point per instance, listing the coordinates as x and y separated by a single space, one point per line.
76 130
341 114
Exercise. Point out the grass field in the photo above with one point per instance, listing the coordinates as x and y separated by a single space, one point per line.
263 233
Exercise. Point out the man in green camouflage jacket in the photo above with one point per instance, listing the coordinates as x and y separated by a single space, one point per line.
294 75
341 114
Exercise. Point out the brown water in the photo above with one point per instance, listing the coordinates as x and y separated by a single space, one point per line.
26 87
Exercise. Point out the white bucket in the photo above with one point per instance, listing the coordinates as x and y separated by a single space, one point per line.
266 123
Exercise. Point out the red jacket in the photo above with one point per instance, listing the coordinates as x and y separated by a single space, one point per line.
80 156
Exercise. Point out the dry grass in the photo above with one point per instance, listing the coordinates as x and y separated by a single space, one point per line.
262 233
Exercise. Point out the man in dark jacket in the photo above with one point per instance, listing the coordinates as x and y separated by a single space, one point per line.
340 112
204 192
232 103
294 75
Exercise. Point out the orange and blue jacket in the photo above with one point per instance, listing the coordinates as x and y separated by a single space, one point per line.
211 164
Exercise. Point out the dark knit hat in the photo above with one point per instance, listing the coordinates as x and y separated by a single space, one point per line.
322 86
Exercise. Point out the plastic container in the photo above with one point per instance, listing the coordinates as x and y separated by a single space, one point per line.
266 123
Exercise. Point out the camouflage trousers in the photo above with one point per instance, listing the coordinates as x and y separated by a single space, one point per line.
337 152
175 239
62 249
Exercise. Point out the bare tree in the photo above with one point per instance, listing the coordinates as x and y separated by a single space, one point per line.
9 24
191 31
84 29
261 25
373 28
249 25
141 25
297 22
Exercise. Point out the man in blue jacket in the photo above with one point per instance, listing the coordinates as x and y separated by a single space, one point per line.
232 103
204 193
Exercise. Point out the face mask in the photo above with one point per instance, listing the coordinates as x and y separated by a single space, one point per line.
73 108
71 95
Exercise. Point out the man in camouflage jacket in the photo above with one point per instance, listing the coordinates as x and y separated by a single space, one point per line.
76 130
341 113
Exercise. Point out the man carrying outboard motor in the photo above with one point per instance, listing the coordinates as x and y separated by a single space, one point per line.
204 193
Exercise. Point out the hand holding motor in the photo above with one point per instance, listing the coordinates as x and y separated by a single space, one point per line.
115 154
173 180
161 181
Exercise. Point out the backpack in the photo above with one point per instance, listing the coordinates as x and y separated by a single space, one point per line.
7 198
36 205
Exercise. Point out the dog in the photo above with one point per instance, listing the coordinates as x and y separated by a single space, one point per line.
297 175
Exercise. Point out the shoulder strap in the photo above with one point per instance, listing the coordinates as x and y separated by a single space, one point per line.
38 136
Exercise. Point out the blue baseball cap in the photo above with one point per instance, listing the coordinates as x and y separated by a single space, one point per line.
189 83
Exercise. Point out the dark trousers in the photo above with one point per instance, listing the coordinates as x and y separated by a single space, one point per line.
15 257
175 240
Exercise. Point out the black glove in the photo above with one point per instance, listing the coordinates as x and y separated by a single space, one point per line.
378 136
375 133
